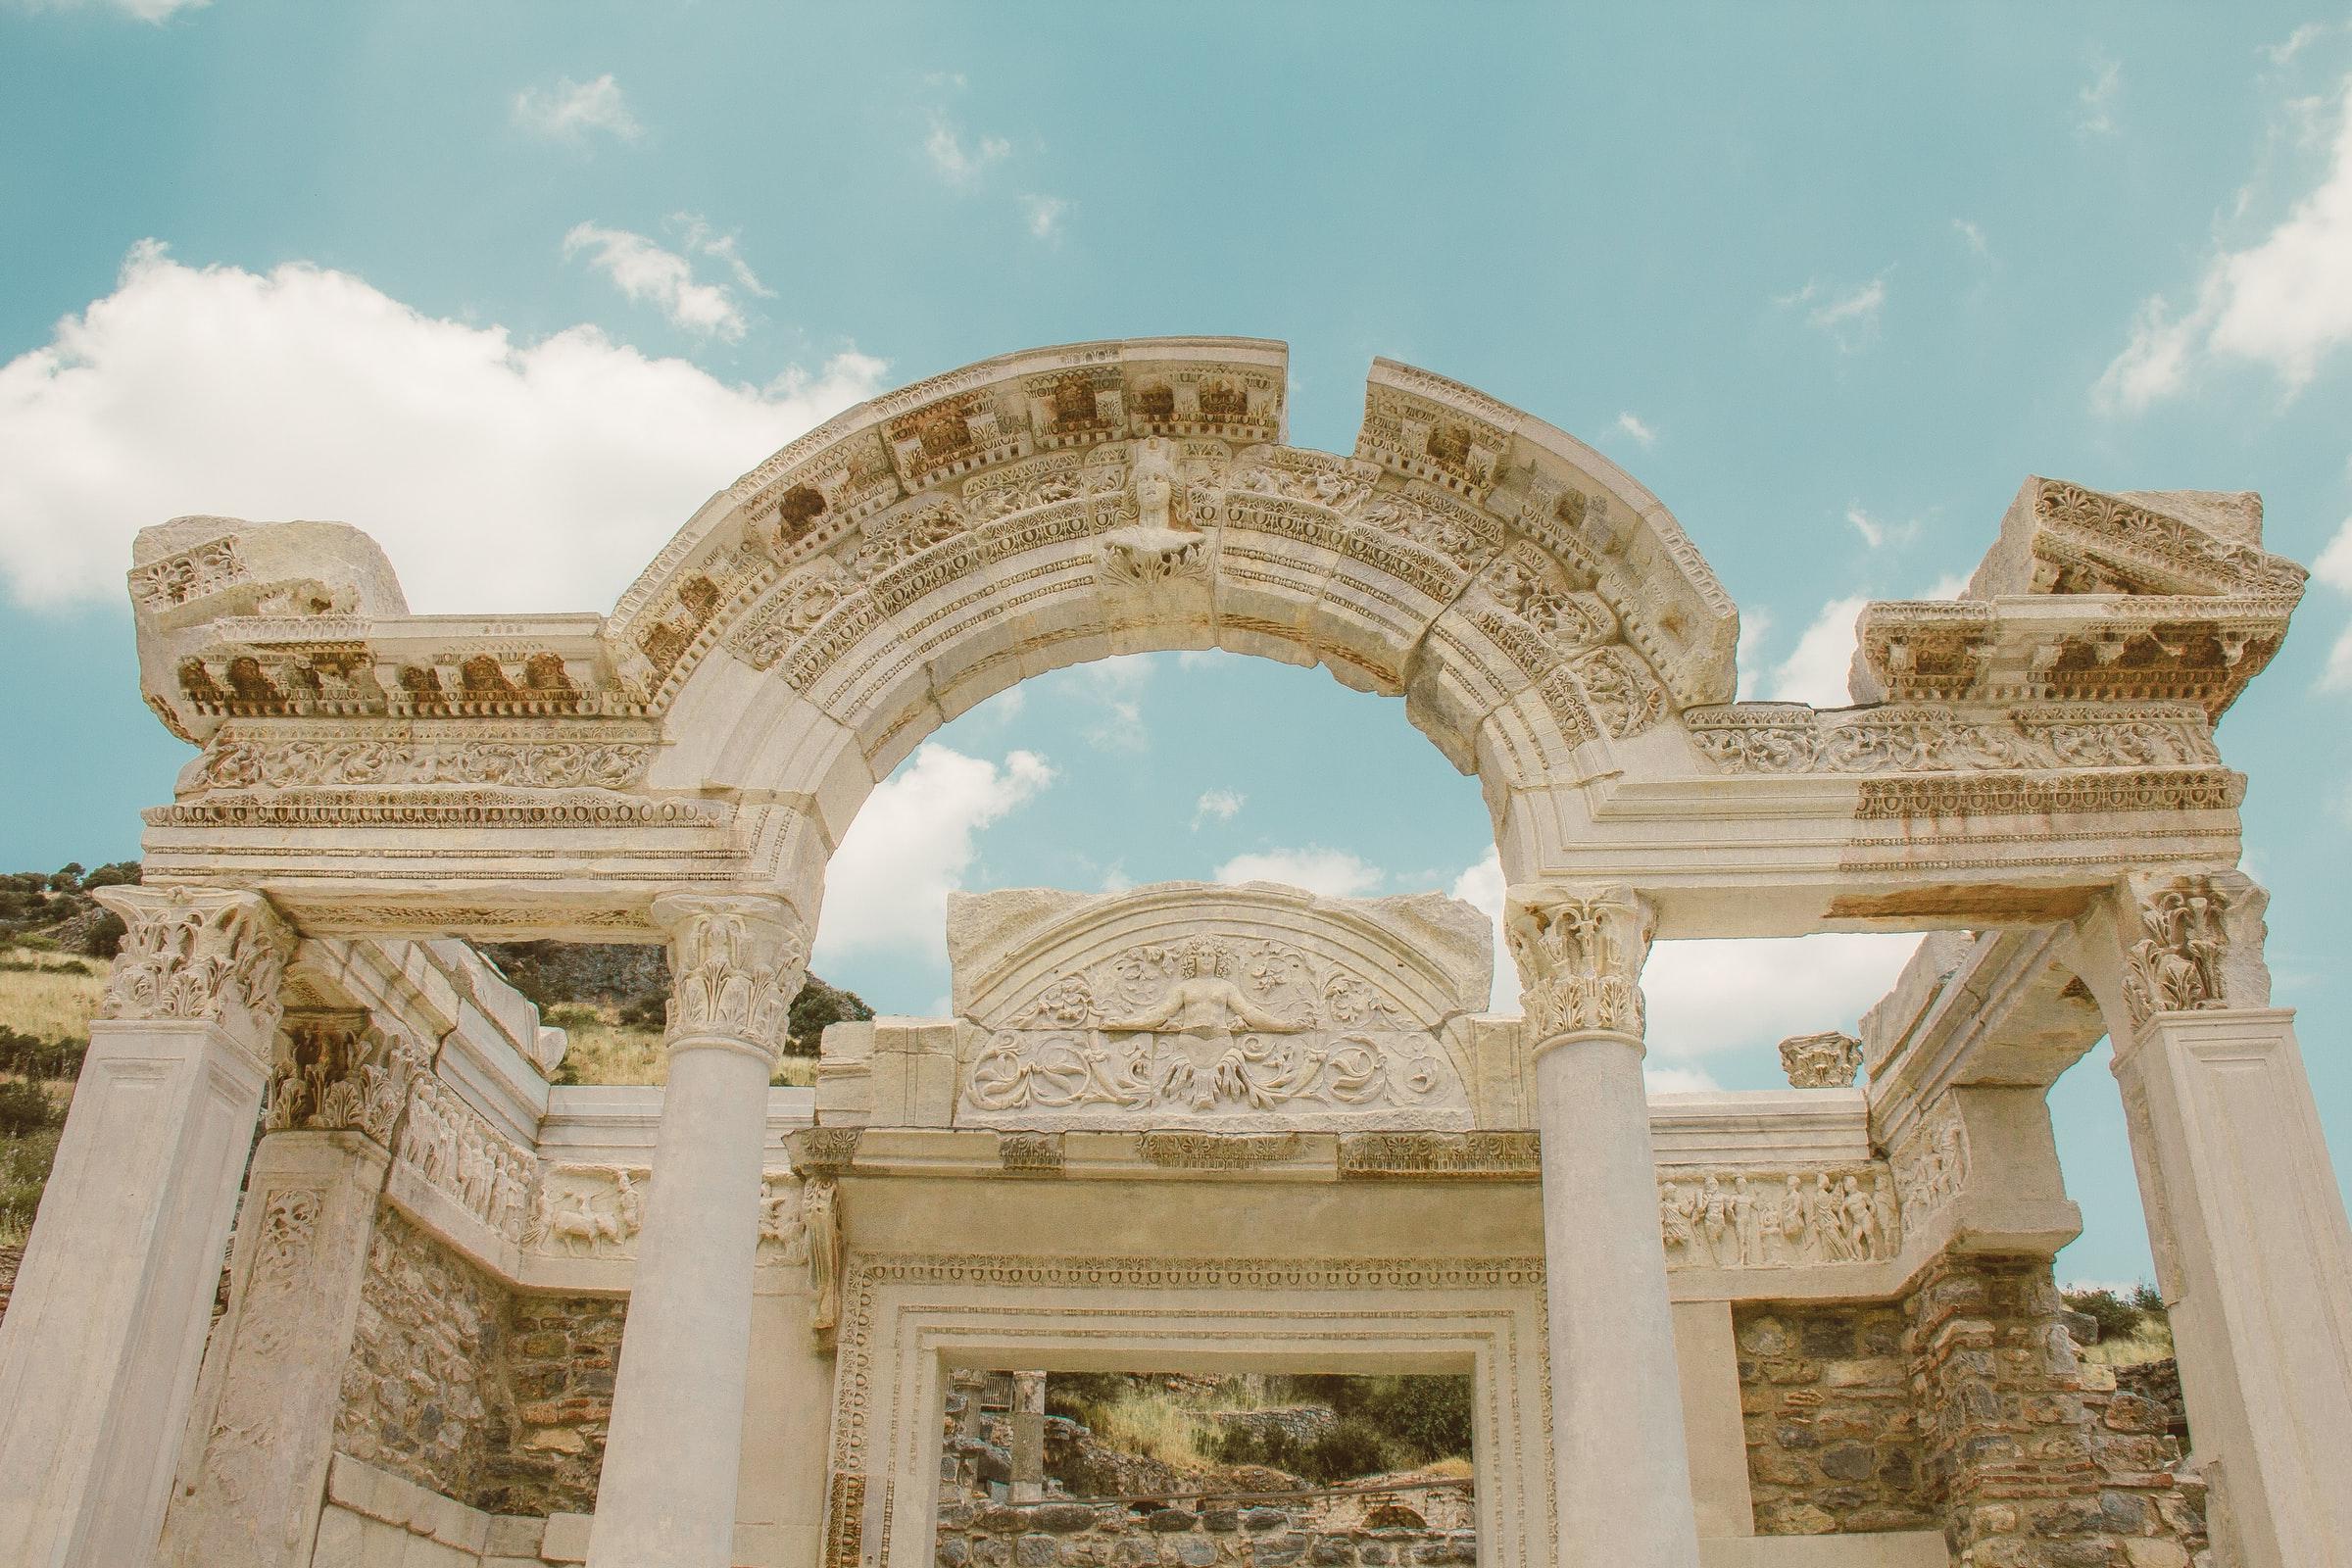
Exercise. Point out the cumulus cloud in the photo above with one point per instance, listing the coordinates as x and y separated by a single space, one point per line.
1708 997
1659 1080
2284 301
1334 873
2334 568
1632 425
1815 671
914 843
698 235
1217 805
498 475
957 161
571 111
649 274
1046 213
2097 99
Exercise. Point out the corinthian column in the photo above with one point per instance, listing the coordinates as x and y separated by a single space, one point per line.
99 1352
667 1497
2253 1253
1617 1416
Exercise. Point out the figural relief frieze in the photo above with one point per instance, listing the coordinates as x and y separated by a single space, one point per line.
1229 1030
189 954
1931 1162
1744 1218
453 1149
586 1210
1580 954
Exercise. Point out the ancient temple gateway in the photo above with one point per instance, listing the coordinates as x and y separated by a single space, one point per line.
474 1319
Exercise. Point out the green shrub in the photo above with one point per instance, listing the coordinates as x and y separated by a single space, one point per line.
24 1108
2116 1317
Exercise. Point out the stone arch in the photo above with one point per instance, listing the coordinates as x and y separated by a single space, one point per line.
1538 610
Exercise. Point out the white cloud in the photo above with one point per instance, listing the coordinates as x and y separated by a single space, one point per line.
1815 671
2284 301
1481 886
1974 237
1633 426
1111 690
698 235
647 274
1219 806
912 843
156 10
1657 1080
1877 533
1046 213
2334 568
2279 54
956 162
570 110
1707 997
498 475
1849 319
1755 631
2097 99
1334 873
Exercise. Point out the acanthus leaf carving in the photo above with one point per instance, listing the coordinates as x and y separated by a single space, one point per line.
1580 954
736 961
197 954
339 1070
2198 943
1826 1060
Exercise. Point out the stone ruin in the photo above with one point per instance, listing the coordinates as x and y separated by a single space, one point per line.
478 1319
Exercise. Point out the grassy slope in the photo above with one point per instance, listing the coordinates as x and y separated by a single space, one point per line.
49 997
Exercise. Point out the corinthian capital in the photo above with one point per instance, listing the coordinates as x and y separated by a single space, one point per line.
1579 951
2191 942
736 961
198 953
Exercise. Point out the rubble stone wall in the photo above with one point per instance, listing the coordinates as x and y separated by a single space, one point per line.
1833 1439
1109 1535
2036 1458
495 1399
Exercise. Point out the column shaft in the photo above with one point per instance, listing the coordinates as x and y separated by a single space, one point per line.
99 1352
1624 1469
1616 1391
666 1495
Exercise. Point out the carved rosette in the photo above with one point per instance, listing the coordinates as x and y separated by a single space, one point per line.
337 1070
1579 953
736 961
197 954
2191 943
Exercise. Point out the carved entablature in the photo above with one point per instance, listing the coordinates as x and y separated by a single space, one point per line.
2074 649
1927 738
1183 1005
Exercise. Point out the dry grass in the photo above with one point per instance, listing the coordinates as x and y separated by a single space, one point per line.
1157 1424
2152 1340
605 1050
55 1003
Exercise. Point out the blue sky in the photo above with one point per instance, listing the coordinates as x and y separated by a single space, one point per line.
515 287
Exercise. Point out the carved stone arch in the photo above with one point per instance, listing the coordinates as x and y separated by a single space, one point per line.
1535 607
